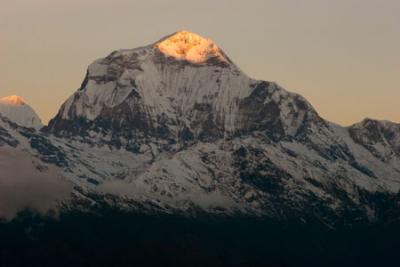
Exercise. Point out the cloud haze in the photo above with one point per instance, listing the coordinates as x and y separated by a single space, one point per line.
23 186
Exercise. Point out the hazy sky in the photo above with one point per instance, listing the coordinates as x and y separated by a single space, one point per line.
342 55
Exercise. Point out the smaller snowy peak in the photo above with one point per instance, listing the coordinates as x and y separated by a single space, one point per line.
12 100
191 47
16 110
373 123
382 138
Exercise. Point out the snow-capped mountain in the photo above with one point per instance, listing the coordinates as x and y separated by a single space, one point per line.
177 126
15 109
180 89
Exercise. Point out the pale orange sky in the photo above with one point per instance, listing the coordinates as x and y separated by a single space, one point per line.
342 55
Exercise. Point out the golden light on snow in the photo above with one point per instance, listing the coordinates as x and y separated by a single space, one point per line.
189 46
12 100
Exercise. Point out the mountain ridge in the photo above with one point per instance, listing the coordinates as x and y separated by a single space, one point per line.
180 135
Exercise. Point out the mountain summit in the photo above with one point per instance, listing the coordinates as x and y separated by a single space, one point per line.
12 100
184 45
16 110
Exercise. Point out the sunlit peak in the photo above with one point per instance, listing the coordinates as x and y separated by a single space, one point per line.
12 100
184 45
